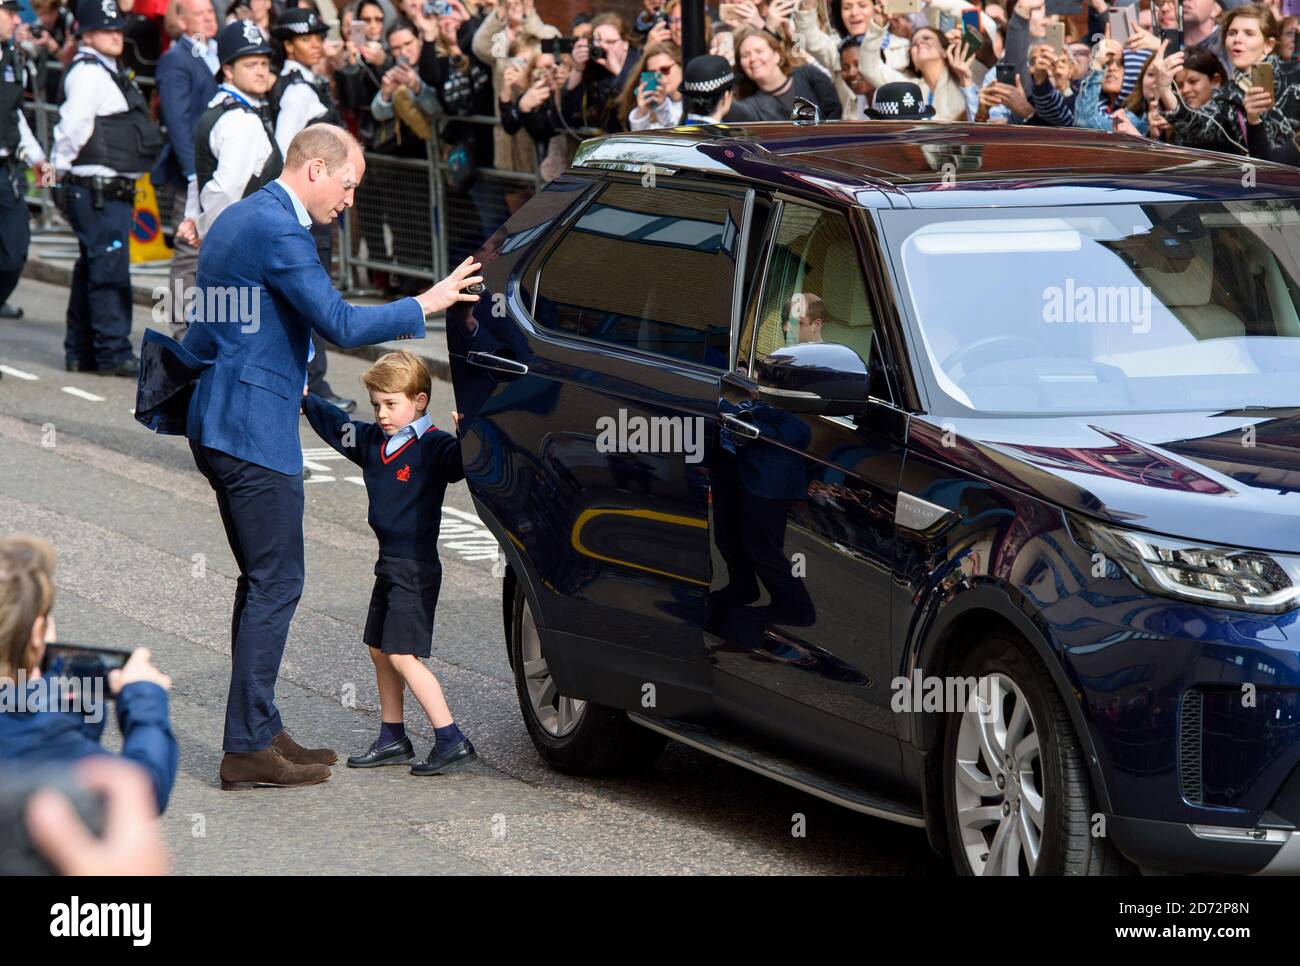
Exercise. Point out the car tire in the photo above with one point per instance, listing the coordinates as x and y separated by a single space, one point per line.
1040 793
577 737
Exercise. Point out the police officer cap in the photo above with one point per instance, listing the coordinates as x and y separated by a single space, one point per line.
98 15
707 74
296 22
240 38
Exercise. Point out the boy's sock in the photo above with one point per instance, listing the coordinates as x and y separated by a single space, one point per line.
388 733
448 737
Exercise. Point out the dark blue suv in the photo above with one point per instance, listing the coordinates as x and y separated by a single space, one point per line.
950 473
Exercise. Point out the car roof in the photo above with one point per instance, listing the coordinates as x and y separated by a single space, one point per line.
906 164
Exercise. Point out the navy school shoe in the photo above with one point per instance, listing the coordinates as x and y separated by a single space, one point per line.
397 753
439 763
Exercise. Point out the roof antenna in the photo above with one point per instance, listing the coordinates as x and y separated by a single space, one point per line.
805 112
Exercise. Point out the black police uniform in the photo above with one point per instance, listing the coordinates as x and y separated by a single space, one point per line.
234 41
295 22
100 208
15 229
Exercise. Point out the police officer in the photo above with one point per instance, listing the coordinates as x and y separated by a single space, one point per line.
299 98
17 145
104 140
235 151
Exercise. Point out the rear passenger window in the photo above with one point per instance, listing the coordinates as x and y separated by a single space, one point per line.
649 269
815 290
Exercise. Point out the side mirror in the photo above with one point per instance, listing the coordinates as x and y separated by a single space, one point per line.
814 377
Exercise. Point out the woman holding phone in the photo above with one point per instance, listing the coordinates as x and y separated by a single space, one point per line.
35 730
770 81
1257 113
651 98
944 75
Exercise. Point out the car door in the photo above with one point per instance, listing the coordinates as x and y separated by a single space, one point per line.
802 522
592 444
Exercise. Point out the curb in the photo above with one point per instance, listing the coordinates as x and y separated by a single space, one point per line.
142 295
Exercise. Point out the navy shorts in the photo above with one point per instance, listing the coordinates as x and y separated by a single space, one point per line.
402 604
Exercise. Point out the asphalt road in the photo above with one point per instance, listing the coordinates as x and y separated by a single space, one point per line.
143 561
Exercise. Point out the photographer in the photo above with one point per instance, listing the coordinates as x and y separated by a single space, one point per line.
404 109
538 109
44 734
652 98
602 68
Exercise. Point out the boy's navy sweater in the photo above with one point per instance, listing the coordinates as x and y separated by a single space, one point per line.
405 489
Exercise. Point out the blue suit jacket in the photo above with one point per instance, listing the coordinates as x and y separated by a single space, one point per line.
249 347
185 85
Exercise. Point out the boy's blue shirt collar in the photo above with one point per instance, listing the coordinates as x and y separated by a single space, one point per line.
417 429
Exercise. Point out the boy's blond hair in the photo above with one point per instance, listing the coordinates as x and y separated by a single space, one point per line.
26 593
400 371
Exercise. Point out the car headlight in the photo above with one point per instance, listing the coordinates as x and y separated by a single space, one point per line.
1207 573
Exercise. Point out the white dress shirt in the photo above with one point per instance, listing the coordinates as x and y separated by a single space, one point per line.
89 95
299 105
239 143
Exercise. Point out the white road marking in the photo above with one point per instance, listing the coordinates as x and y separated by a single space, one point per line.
359 481
18 373
319 479
82 394
315 466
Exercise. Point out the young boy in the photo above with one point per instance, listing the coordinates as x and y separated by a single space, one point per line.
407 464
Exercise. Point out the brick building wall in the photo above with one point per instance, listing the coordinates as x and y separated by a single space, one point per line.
560 13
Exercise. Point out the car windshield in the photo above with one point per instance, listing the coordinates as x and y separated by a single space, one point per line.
1111 308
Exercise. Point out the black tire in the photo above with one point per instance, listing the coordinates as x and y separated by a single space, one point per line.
1067 845
604 741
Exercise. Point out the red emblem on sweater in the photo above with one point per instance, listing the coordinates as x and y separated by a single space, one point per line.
404 473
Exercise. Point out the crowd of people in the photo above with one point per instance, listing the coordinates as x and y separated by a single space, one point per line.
395 68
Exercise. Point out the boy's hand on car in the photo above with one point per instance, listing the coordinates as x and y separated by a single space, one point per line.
139 667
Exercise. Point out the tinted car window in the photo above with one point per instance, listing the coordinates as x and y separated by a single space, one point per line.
649 269
815 290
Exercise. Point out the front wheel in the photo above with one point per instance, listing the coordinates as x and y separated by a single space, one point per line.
570 734
1017 796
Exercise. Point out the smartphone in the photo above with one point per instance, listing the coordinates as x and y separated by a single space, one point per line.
1006 74
1063 8
649 80
82 660
1261 75
970 20
1291 8
557 45
437 8
896 8
18 856
1173 38
357 34
403 62
1119 26
1055 37
971 41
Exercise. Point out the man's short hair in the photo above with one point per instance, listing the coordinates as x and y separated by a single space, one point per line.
399 371
328 142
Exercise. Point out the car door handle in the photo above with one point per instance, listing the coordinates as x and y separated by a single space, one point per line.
739 426
485 360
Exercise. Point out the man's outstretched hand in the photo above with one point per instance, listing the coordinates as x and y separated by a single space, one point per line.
452 288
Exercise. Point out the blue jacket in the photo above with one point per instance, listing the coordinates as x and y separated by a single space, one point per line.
252 342
185 85
65 737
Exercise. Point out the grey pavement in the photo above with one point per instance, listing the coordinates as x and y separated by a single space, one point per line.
143 561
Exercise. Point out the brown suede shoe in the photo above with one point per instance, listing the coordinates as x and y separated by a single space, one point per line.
266 769
296 753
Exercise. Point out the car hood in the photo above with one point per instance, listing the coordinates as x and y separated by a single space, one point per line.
1228 477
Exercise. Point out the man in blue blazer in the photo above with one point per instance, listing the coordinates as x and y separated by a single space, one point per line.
264 292
187 79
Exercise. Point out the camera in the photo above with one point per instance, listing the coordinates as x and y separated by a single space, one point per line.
557 45
597 51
